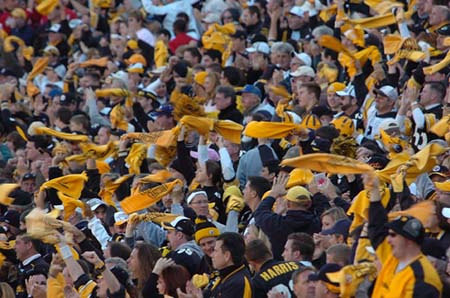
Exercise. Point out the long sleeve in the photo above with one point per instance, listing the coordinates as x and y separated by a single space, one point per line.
202 154
99 231
419 118
265 218
94 115
150 289
228 172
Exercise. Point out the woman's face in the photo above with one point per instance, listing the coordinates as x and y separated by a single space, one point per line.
200 205
327 222
201 176
133 263
251 233
209 85
161 286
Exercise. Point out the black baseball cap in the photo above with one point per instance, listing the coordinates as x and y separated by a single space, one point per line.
341 227
239 34
182 224
409 227
11 217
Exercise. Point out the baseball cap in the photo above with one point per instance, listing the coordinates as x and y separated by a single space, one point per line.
239 34
7 72
52 50
305 58
120 75
348 91
11 217
212 154
67 99
28 176
409 227
165 109
335 87
147 93
440 171
444 30
298 11
446 212
250 89
120 218
304 71
95 203
19 13
341 227
259 46
389 124
298 194
387 91
181 224
322 276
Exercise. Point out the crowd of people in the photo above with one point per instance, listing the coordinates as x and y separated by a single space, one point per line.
224 148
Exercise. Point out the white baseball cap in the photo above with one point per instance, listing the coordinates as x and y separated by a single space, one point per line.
261 47
304 71
305 58
387 91
348 91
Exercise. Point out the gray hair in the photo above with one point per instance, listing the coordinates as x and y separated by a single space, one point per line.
322 30
283 47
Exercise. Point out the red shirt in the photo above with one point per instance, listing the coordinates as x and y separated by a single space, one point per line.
179 40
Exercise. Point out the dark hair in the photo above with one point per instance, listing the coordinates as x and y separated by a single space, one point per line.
17 141
184 16
301 270
120 250
82 120
234 75
63 114
179 25
303 243
137 14
175 277
257 251
259 184
147 254
273 166
438 87
194 52
254 9
235 244
235 14
213 169
227 92
312 87
214 54
165 32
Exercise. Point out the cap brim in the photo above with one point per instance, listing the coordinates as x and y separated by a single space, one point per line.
313 277
250 50
167 226
121 222
446 212
379 92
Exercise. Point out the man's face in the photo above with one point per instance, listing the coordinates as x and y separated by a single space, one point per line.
22 248
383 104
346 102
320 290
103 136
164 122
222 102
28 185
249 100
172 238
100 212
333 101
31 152
207 245
257 60
248 18
247 192
295 22
219 257
238 44
207 61
397 243
190 58
303 96
302 287
288 253
427 95
284 59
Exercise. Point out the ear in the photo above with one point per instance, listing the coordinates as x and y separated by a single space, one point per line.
227 255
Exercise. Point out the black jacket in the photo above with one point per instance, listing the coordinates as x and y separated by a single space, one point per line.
272 274
231 113
278 227
233 282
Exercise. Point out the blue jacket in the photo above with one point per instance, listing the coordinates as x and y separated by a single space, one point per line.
278 227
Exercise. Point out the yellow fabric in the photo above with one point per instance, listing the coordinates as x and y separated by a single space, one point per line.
442 126
146 198
424 211
160 176
361 252
112 92
5 190
86 290
161 53
310 121
330 163
98 152
61 135
356 35
163 138
299 177
136 58
335 87
137 154
38 67
200 280
327 13
55 286
330 73
351 276
421 162
228 129
46 7
200 77
185 105
360 206
438 66
42 226
102 167
345 125
391 283
443 186
101 62
117 118
70 185
156 217
371 53
102 3
389 141
8 43
70 204
271 130
374 22
75 254
280 90
110 187
334 44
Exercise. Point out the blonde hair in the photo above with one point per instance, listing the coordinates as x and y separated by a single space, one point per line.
337 213
6 291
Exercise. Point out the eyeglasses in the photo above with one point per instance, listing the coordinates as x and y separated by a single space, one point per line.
200 202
